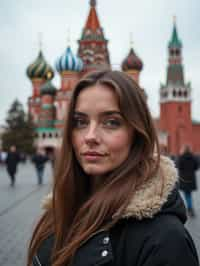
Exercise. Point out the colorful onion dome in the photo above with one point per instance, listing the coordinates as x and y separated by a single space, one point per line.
132 62
48 88
40 69
69 62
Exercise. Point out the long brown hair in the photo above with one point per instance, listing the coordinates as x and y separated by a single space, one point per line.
75 212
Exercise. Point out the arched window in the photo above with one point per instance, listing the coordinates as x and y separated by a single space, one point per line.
185 94
177 52
174 93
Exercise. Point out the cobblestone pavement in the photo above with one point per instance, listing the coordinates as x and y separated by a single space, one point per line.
20 208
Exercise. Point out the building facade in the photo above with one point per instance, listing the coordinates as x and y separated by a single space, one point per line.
48 104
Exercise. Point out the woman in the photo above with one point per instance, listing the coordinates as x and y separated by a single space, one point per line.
114 200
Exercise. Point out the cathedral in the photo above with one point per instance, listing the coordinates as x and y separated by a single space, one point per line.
48 104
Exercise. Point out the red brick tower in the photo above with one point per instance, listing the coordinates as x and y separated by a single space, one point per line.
93 45
47 110
175 100
38 72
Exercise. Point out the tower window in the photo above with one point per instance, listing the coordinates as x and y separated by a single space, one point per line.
185 94
180 93
174 93
177 52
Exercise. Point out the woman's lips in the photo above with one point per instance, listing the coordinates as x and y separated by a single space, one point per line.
93 156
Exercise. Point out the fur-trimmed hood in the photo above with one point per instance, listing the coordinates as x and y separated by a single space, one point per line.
150 197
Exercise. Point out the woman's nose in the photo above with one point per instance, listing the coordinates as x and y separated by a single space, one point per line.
92 135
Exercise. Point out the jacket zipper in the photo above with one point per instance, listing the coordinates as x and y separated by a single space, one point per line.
37 261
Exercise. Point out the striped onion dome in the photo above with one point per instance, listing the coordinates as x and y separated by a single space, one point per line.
132 62
40 69
69 62
48 88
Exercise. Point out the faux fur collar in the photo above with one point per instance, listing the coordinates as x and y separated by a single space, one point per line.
148 198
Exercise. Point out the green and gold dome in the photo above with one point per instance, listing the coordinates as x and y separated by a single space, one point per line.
40 69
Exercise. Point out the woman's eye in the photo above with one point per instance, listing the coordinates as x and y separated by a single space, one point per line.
79 123
112 123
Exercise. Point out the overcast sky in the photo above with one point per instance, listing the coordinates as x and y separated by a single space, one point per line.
149 21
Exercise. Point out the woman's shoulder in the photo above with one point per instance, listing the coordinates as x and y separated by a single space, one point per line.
156 228
163 239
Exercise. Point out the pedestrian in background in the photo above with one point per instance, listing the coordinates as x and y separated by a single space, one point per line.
114 199
39 160
12 160
187 164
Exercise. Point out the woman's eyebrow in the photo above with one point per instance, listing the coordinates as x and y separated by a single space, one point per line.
104 113
80 113
111 112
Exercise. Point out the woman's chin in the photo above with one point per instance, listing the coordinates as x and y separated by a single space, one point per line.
94 171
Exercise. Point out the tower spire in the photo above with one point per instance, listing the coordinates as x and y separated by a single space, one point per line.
174 42
93 45
92 20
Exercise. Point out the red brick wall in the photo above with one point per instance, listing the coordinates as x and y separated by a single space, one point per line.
196 138
175 118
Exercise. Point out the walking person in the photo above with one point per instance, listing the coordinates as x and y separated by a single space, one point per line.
187 165
114 200
39 160
12 160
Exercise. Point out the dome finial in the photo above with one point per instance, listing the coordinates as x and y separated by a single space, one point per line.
131 40
174 20
93 3
40 40
68 37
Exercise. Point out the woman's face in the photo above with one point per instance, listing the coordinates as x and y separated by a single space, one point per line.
101 138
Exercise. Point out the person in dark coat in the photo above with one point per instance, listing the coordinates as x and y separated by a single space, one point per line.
187 165
114 200
12 160
39 160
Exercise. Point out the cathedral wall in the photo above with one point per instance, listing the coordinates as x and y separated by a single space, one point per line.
196 138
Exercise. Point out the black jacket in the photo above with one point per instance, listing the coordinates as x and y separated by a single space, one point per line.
187 165
12 161
39 160
150 233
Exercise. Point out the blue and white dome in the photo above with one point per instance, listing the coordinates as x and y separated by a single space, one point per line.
69 62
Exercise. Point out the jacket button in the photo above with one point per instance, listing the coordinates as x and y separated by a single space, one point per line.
106 240
104 253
